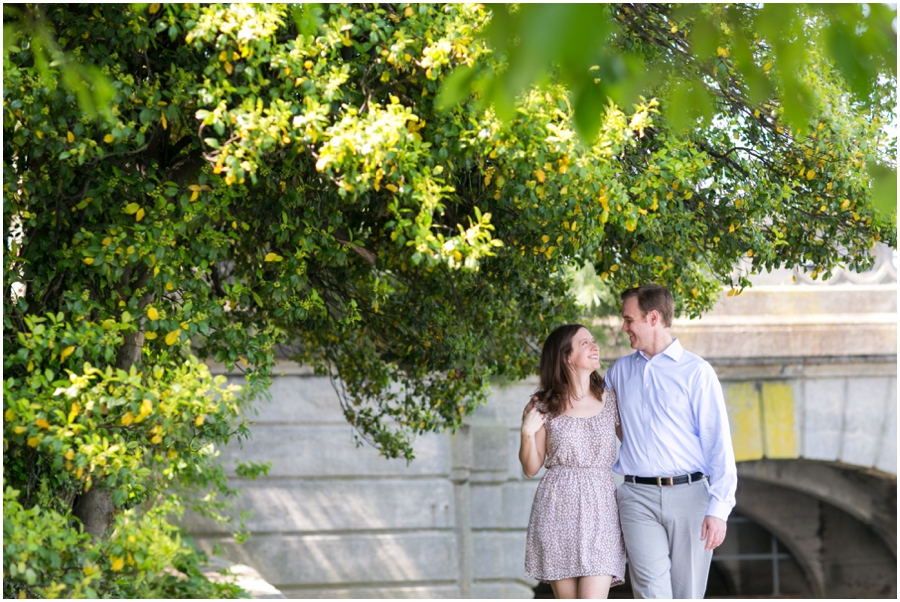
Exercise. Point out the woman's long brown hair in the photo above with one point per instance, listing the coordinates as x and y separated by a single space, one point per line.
556 378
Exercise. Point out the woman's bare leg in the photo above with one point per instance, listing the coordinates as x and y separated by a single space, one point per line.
594 587
565 588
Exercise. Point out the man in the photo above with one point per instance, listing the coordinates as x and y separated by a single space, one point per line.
676 453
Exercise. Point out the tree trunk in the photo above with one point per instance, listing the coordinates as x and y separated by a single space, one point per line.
94 508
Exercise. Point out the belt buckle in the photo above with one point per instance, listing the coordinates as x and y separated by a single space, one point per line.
659 481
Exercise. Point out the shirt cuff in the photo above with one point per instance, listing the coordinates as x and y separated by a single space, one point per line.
718 509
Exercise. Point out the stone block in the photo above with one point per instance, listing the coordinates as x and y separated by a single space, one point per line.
298 506
823 418
864 420
490 448
742 400
887 454
504 590
510 399
296 400
780 432
373 560
311 451
424 592
504 506
499 554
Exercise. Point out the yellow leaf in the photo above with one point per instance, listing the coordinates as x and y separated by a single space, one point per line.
154 8
408 12
146 407
199 420
39 134
34 441
391 187
88 260
9 414
165 124
108 138
73 413
169 285
19 430
722 51
756 113
545 238
845 204
194 196
139 215
70 137
131 208
156 440
106 241
117 563
149 335
173 337
767 66
540 175
228 68
273 257
810 174
66 353
127 419
70 455
152 313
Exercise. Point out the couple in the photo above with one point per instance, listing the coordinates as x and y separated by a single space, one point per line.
676 456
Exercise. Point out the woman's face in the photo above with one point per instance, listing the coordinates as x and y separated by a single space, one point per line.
585 354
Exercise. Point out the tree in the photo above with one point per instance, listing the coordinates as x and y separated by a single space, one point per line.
702 58
286 179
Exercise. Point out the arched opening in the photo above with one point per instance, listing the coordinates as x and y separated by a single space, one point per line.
753 563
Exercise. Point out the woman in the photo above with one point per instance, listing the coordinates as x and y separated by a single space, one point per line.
574 539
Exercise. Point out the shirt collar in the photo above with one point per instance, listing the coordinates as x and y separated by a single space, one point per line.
674 351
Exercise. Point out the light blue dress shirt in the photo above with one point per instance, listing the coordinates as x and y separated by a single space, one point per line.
674 421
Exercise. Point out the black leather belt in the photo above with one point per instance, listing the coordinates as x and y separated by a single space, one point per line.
665 481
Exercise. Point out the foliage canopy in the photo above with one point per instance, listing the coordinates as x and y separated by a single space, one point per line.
266 178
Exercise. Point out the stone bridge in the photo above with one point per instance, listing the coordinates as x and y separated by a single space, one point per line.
809 373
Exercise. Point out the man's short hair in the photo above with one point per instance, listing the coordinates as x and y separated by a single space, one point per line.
653 296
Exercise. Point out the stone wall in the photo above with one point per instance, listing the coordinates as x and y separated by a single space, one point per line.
333 520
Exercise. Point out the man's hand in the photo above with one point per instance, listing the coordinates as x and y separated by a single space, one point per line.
713 532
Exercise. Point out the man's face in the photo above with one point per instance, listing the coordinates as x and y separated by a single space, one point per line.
636 325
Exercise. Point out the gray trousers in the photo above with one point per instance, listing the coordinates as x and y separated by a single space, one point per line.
661 526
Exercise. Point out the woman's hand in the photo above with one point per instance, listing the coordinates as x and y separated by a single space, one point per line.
534 437
532 422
